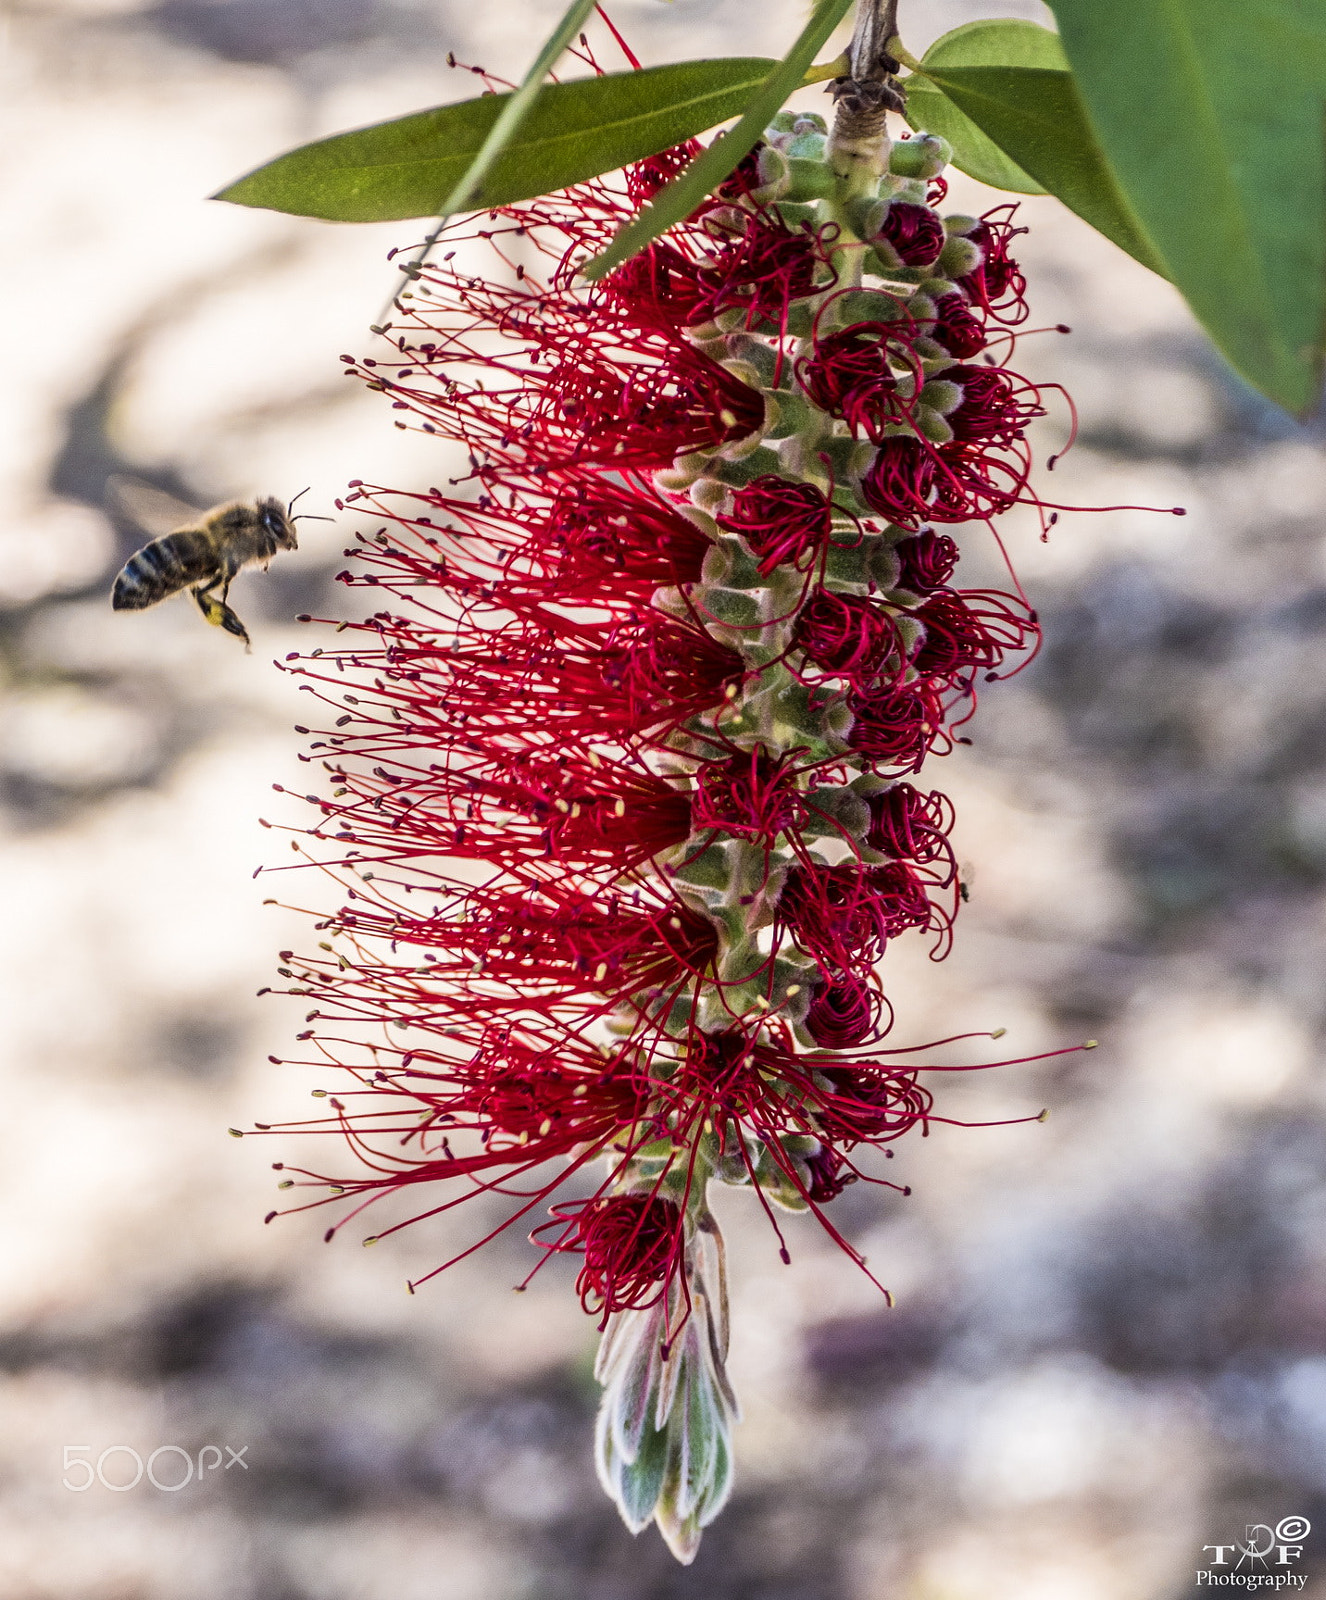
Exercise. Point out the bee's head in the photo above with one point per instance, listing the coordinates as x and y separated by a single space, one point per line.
276 520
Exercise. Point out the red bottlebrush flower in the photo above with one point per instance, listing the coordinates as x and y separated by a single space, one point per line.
612 680
547 947
589 785
996 407
749 797
960 635
784 523
956 328
851 374
849 636
743 178
645 178
910 826
604 532
661 286
897 726
515 807
759 267
900 483
911 481
575 387
632 1244
829 1175
872 1104
763 270
844 1012
925 561
844 916
915 233
997 284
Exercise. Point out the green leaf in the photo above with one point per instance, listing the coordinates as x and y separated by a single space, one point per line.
1036 116
680 197
1004 43
1212 112
573 131
517 107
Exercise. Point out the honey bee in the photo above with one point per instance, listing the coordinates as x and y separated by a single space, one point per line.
203 551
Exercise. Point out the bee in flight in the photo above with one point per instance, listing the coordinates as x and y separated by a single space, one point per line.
202 552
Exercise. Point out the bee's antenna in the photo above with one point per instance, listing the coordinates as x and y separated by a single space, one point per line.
304 516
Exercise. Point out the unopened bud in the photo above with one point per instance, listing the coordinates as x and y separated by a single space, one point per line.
924 155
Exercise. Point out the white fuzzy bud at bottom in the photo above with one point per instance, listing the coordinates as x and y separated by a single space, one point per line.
663 1443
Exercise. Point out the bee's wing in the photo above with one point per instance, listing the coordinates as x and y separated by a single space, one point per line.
152 510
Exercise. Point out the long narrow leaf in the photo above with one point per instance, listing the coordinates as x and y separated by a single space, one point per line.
711 166
517 107
573 131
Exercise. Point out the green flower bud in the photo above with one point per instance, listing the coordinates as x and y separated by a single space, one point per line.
941 396
771 164
930 425
707 494
808 146
862 305
924 155
792 414
682 473
739 471
959 257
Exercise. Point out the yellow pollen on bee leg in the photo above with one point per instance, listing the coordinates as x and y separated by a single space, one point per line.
792 989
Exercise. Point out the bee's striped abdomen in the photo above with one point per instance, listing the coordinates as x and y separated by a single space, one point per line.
163 567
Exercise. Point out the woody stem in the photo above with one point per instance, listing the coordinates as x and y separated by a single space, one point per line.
858 145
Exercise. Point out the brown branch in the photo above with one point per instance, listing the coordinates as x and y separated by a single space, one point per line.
869 91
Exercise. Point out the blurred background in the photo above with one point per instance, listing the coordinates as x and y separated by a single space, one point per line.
1109 1346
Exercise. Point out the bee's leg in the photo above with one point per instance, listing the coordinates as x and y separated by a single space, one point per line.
218 613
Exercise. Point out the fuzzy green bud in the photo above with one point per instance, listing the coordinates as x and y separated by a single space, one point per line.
924 155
